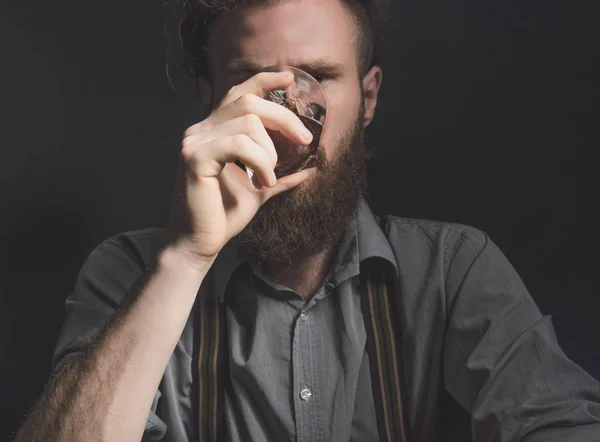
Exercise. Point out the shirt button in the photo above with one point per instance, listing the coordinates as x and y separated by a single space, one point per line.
305 394
329 287
303 316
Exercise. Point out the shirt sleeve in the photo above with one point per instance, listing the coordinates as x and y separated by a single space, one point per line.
105 277
502 361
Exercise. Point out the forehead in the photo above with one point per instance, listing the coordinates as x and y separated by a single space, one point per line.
294 33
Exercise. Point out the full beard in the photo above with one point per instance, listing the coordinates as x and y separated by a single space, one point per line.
313 216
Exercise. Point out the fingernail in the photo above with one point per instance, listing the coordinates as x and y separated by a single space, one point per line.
274 181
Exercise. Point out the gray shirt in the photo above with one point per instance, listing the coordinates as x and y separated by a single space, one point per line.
476 348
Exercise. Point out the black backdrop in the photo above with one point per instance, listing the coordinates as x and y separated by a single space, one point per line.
488 117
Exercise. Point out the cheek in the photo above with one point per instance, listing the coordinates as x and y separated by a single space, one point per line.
342 112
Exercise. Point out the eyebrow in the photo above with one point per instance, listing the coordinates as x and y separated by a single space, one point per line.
322 66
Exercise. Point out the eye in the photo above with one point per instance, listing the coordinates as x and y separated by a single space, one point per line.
319 78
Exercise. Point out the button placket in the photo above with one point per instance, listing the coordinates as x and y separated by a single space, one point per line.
303 361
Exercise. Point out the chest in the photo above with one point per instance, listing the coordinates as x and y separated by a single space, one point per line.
298 371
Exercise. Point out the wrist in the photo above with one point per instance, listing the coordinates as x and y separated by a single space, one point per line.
174 256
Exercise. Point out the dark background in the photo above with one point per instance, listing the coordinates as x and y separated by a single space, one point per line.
488 117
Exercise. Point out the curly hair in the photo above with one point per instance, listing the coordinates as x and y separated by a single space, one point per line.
189 22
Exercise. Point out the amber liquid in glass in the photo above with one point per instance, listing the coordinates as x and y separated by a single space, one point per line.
291 157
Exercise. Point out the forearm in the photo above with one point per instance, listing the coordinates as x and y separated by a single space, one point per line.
107 392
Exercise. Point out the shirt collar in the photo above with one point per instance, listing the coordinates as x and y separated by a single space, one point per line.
363 239
371 240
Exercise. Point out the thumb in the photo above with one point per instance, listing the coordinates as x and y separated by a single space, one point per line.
288 182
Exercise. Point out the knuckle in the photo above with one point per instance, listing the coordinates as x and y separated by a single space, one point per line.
252 122
245 101
194 129
202 126
188 147
240 143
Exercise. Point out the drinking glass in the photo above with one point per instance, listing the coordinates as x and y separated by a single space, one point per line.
304 97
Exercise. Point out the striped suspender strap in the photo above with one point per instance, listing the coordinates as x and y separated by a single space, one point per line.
211 361
381 317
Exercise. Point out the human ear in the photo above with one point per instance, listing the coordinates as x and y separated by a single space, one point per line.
371 85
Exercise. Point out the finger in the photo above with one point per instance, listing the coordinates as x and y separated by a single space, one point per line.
259 85
248 124
288 182
273 116
208 159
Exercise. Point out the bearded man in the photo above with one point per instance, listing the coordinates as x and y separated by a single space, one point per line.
248 318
